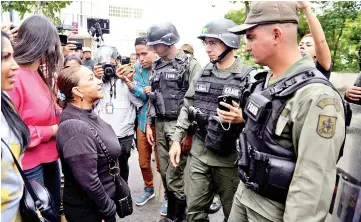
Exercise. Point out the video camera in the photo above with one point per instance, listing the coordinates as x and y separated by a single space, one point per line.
97 27
64 38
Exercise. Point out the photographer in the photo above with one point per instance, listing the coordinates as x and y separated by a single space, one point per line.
118 106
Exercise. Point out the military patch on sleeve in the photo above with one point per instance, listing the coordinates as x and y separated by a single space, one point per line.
326 126
329 102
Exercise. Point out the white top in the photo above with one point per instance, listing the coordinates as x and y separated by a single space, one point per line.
124 105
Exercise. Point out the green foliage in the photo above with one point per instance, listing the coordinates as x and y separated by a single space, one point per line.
238 17
49 9
341 22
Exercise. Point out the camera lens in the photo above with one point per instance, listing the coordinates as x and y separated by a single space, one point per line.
108 71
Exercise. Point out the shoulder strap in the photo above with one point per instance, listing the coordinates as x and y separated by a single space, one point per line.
102 146
114 170
261 76
290 85
28 186
157 64
97 137
207 70
243 71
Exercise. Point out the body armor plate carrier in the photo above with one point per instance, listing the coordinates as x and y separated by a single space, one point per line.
209 128
170 82
264 165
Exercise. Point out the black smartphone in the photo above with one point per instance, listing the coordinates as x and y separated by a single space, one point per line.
63 39
79 46
225 99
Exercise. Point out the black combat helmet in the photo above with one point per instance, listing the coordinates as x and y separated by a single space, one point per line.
219 29
163 33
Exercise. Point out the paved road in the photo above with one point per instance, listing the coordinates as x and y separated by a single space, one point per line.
150 211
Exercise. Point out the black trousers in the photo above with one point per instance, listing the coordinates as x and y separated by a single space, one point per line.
126 143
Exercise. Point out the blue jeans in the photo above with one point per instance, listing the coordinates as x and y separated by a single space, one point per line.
47 174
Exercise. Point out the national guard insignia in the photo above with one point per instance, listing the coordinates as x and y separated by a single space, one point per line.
206 29
326 126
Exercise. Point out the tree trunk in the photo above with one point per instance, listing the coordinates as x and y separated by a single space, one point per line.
338 40
246 3
359 56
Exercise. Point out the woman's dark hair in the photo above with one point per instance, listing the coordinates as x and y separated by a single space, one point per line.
73 57
38 39
3 35
67 80
15 123
140 41
308 35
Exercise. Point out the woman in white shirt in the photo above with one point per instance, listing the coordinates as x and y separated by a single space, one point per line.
15 134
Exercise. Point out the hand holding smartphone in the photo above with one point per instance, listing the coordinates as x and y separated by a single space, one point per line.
225 99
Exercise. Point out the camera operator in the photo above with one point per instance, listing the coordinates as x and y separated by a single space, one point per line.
118 107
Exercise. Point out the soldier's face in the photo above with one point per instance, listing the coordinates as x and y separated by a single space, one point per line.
161 49
260 44
214 47
145 55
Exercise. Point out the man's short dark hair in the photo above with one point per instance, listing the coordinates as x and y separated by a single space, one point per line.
140 41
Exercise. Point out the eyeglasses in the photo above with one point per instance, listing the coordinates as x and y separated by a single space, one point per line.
211 44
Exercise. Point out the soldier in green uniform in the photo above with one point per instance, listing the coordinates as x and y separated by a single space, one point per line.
295 125
210 167
170 79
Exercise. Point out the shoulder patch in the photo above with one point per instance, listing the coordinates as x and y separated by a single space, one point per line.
285 112
326 126
329 102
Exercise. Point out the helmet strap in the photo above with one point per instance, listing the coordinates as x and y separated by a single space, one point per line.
171 52
221 56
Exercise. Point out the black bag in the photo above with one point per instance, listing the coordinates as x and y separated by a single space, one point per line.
36 204
123 199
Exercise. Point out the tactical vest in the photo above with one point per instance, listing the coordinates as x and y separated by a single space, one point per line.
264 165
170 82
208 88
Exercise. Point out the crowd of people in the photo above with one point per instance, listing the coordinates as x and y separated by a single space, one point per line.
261 145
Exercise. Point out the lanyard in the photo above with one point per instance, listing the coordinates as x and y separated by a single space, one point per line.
111 90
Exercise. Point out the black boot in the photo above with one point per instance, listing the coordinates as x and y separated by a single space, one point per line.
171 208
180 210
